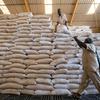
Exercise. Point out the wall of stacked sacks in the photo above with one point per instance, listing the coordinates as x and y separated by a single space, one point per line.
35 61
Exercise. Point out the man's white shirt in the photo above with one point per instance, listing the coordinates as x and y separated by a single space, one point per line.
62 19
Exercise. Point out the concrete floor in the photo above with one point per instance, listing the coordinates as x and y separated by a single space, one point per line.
64 97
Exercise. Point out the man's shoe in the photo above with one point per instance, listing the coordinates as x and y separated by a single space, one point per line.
76 95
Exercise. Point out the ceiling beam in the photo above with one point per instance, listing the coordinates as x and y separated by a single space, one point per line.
74 11
27 6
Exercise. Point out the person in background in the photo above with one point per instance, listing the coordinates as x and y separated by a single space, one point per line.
90 66
62 19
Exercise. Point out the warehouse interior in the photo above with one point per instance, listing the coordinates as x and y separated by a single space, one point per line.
37 63
78 12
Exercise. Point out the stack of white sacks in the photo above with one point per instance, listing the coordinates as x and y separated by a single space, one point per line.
35 61
39 53
8 78
23 43
60 81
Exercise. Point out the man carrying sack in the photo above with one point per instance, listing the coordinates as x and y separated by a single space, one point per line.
62 22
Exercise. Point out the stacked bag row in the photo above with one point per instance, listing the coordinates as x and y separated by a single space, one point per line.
9 81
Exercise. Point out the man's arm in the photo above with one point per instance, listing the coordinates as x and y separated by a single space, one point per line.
80 43
66 23
56 26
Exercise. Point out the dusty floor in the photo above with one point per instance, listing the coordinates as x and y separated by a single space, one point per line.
64 97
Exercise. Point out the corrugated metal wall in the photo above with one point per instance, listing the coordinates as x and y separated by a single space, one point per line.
67 6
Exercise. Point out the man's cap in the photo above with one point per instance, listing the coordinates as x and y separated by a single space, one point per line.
88 40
